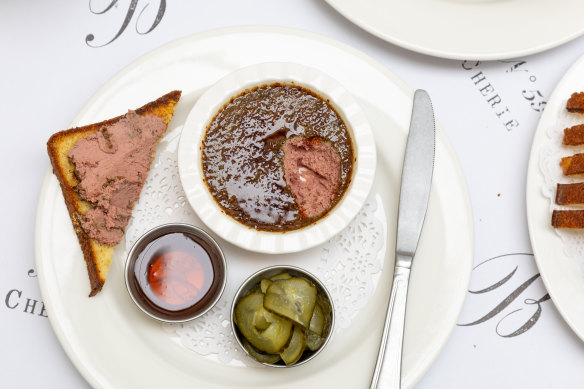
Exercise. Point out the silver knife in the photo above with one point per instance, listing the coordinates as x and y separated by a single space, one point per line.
413 201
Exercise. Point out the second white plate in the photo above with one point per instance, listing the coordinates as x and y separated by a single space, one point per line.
562 273
468 29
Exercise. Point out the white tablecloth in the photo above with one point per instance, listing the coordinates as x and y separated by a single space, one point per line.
49 69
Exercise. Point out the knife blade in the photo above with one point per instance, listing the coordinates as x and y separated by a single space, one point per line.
416 182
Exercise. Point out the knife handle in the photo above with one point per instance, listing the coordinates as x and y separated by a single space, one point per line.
387 372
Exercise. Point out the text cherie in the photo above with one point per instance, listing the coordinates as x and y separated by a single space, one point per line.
488 91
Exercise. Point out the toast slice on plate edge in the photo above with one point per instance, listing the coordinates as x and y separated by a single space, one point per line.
575 103
573 165
574 136
573 218
570 194
98 256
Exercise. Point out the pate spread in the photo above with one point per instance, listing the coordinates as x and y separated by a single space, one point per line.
111 165
312 169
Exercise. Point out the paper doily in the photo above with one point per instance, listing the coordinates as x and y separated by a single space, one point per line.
349 264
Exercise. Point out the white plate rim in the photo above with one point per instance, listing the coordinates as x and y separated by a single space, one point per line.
464 219
447 48
547 245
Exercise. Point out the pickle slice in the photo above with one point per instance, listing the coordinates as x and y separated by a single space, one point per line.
265 284
327 312
319 330
260 356
280 276
264 330
295 348
317 321
325 305
314 341
293 298
261 321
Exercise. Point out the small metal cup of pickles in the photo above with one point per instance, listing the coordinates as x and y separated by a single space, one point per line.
282 316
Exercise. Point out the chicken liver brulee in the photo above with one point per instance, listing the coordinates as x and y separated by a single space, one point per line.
277 157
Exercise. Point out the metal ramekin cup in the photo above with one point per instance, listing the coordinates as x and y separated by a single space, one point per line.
219 272
268 272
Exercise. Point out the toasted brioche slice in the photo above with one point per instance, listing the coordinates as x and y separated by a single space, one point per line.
574 136
576 103
570 194
98 257
573 165
573 218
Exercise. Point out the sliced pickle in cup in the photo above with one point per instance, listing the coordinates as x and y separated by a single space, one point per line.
264 330
293 298
265 284
313 341
317 321
280 276
258 355
296 347
283 318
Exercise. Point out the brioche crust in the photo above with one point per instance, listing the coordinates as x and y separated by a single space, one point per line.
97 256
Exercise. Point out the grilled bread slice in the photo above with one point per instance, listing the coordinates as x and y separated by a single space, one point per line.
574 136
570 194
98 256
573 165
575 103
572 218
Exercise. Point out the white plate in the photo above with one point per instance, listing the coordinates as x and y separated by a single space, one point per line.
562 274
114 346
468 29
215 98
